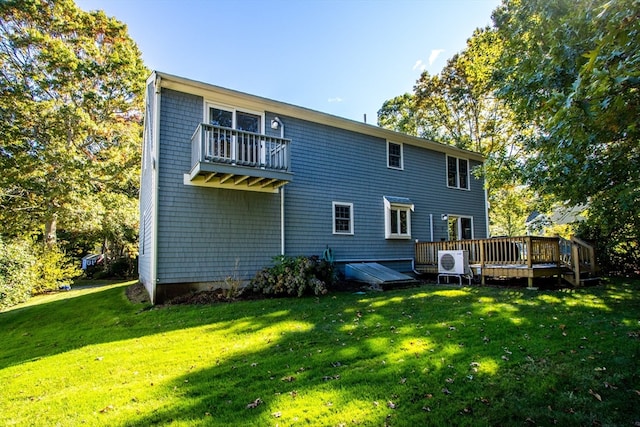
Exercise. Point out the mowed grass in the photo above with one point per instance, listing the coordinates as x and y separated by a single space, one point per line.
431 355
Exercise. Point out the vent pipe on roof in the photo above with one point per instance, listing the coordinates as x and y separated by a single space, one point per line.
365 118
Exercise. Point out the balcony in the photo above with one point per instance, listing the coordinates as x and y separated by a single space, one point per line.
229 158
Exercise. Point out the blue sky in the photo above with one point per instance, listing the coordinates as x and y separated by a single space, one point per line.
340 57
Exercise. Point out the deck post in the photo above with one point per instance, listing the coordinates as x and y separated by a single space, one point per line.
482 277
575 255
529 243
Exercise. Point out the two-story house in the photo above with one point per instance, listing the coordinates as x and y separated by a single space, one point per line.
231 180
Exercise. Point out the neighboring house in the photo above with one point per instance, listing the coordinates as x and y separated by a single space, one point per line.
231 180
537 222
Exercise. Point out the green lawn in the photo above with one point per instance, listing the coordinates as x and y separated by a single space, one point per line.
432 355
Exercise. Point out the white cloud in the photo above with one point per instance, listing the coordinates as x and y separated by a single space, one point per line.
336 99
434 55
419 65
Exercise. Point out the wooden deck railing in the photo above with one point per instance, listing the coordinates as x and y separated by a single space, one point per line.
526 251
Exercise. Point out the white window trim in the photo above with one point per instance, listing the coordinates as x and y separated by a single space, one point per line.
234 111
459 225
401 167
387 219
457 186
333 218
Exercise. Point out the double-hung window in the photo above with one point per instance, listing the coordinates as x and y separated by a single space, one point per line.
457 173
394 155
397 217
342 218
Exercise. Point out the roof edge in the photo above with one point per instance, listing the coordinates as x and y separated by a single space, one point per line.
195 87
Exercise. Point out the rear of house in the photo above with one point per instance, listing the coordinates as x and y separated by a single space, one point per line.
231 180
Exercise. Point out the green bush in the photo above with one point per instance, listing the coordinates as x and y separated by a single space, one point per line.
18 272
54 270
121 267
28 269
294 276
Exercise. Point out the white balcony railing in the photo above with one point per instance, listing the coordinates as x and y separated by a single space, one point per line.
216 144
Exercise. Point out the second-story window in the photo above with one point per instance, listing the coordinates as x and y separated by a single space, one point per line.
240 120
457 173
219 117
243 148
394 155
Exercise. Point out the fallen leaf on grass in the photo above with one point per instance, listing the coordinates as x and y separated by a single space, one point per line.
391 405
288 378
332 377
277 414
446 390
254 404
106 409
596 395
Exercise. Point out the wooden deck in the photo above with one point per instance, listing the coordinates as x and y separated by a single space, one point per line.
518 257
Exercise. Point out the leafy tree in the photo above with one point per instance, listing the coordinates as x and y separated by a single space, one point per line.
570 68
509 209
71 85
458 107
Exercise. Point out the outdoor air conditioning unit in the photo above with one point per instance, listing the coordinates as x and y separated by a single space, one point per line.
453 262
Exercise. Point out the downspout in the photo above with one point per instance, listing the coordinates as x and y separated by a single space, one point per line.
155 157
431 226
282 233
486 211
282 252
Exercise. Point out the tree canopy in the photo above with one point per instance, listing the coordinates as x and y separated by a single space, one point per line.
71 85
571 69
550 94
458 107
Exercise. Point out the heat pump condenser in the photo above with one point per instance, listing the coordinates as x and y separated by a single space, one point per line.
453 262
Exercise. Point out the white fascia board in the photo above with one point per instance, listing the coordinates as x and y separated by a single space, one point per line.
245 100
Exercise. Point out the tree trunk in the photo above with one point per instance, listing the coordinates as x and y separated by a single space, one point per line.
50 230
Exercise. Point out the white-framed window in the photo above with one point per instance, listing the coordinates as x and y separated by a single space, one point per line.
394 155
242 148
342 218
397 217
460 227
230 117
457 173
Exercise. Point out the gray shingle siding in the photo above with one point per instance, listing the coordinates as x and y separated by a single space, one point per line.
337 165
146 195
208 234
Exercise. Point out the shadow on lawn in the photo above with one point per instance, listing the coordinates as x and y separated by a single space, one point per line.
442 354
435 366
